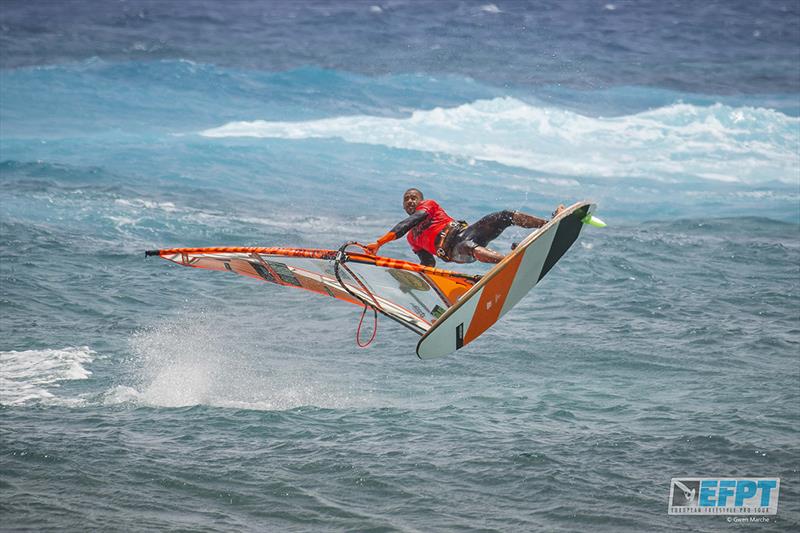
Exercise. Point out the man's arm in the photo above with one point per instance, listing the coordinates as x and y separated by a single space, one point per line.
426 258
400 229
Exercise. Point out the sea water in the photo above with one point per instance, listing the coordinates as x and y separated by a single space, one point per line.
138 395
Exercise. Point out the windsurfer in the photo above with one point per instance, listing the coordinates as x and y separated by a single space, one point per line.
432 232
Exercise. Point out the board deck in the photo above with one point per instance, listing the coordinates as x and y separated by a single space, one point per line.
504 285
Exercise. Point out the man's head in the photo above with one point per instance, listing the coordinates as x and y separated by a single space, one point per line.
411 199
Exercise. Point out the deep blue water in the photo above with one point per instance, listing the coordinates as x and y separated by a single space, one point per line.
137 395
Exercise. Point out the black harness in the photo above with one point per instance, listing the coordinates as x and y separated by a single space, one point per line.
446 238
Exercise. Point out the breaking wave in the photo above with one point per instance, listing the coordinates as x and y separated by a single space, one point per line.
680 141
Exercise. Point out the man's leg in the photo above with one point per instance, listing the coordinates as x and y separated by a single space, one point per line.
485 255
529 221
488 229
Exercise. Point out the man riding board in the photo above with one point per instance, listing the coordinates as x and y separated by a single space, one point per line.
432 232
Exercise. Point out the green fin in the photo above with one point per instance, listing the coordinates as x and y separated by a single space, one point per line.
593 221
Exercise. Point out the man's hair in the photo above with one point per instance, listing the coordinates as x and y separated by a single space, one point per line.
415 190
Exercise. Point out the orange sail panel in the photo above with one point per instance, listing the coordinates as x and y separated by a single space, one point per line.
412 294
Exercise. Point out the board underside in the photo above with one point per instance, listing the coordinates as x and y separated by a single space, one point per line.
505 285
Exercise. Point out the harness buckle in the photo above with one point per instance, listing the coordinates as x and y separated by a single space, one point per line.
444 240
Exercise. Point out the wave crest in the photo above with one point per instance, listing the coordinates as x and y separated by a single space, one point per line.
718 142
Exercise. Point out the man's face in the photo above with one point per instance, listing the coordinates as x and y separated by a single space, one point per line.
411 200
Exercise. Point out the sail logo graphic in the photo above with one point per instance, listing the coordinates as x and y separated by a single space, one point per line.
724 496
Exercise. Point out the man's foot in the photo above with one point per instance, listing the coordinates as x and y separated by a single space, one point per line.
558 210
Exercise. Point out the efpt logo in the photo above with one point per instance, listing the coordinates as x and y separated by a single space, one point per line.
739 496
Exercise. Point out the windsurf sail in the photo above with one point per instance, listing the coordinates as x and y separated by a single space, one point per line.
411 294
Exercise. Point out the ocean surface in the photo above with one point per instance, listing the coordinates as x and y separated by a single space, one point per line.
138 395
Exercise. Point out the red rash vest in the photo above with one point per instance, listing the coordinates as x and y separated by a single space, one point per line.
423 235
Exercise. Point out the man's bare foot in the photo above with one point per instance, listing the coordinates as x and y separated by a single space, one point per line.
559 209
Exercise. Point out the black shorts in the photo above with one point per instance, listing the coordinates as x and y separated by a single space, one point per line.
481 233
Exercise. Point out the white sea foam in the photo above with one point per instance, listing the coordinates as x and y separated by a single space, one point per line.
29 376
123 221
130 213
680 141
140 203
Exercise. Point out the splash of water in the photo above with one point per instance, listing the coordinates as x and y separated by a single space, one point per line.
197 360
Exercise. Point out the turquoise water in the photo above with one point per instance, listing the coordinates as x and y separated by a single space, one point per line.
137 395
